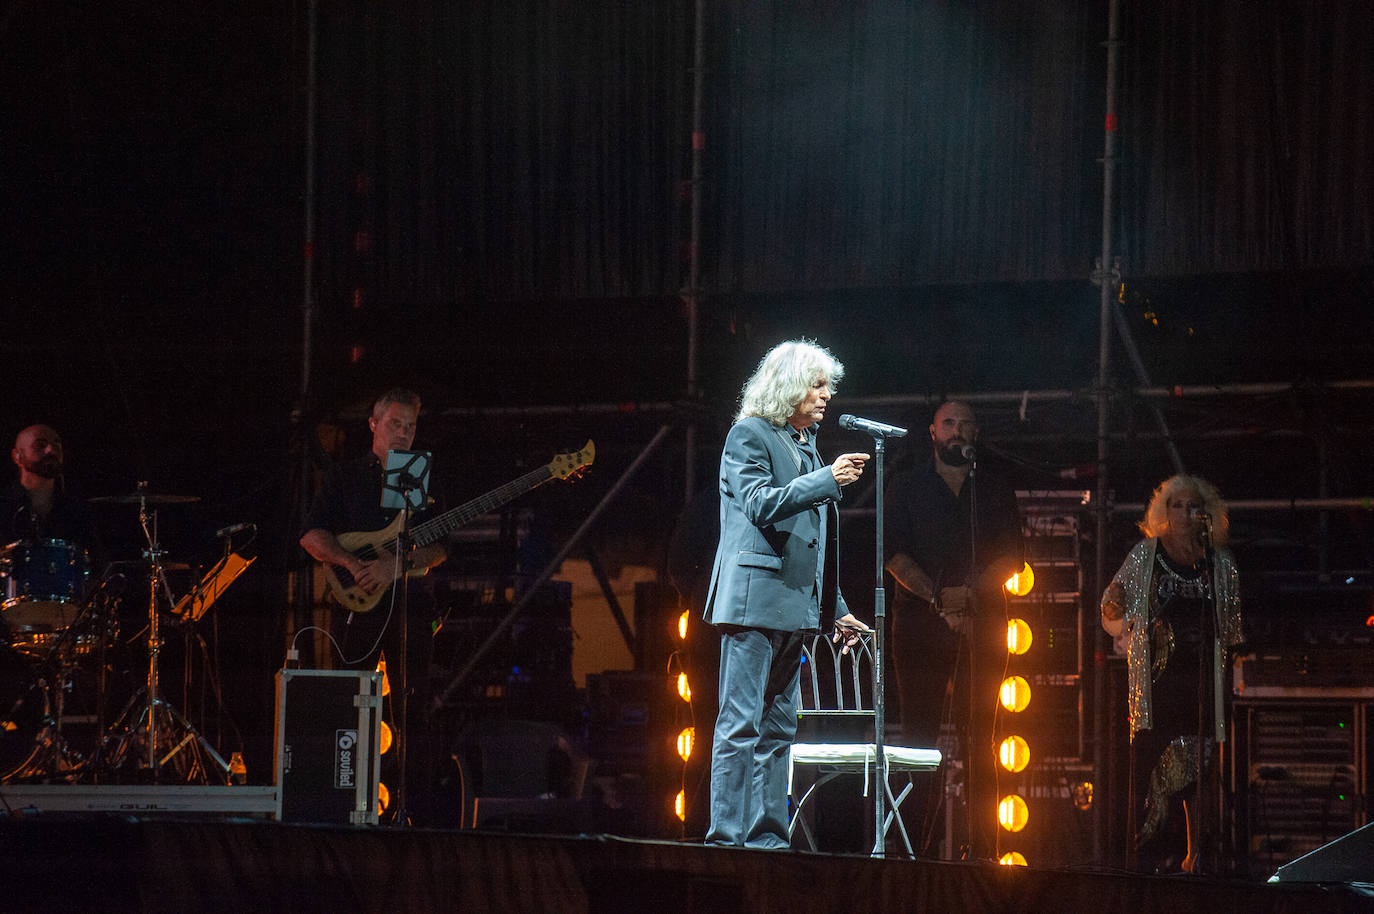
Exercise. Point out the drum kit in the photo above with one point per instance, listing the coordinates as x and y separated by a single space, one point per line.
63 659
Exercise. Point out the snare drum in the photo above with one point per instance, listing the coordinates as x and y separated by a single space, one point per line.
25 713
44 584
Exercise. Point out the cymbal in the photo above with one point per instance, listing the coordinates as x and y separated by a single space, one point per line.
141 564
144 498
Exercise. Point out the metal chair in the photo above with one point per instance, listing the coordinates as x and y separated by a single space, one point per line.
837 717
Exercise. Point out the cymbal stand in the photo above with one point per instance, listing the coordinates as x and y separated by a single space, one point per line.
154 556
175 723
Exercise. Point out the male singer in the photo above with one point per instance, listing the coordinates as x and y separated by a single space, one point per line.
776 504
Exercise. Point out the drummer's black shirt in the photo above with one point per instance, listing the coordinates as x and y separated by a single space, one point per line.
70 520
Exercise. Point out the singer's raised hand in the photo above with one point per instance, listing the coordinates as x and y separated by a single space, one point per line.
848 467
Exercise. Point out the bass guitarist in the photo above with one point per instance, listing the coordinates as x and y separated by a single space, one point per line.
354 539
349 499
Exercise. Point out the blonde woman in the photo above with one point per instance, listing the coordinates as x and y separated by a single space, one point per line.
1176 603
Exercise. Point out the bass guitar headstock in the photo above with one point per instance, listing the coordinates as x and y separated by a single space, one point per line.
573 463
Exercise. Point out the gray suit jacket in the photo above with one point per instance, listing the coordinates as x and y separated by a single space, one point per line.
773 519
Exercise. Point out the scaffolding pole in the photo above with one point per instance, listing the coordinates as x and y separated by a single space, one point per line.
691 296
1103 395
302 594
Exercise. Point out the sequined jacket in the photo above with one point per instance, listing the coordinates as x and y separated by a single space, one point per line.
1134 578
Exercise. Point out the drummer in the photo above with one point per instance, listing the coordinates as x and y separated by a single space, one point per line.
37 507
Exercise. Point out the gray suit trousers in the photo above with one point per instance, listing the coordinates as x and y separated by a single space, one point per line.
760 672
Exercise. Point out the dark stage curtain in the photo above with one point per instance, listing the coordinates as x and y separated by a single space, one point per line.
534 149
895 143
1247 131
525 149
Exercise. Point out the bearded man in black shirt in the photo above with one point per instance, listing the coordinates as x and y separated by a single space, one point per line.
948 614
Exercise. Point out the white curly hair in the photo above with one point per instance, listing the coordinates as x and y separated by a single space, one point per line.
783 378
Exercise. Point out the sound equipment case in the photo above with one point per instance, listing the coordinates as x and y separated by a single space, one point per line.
328 746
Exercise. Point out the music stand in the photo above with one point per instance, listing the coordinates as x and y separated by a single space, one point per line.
202 596
406 486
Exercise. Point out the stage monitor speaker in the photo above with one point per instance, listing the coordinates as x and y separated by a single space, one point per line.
1346 860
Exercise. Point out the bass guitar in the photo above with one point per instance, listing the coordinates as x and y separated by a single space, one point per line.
382 544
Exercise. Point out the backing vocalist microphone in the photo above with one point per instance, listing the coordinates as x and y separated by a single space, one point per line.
876 429
230 530
967 452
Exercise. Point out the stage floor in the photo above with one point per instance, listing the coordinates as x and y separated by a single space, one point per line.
106 861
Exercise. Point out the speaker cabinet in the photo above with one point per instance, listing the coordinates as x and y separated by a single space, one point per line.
1299 777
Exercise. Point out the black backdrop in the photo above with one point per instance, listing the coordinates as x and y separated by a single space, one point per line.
494 176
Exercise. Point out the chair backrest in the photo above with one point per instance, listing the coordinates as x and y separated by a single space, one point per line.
836 690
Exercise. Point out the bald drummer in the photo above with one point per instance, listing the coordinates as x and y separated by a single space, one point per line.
36 506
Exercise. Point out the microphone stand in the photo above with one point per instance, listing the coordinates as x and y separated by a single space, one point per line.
401 481
880 811
405 546
972 629
879 659
1207 649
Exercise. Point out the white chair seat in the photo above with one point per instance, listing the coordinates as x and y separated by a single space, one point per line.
858 758
861 755
842 713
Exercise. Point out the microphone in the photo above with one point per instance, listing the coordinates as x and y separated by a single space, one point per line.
230 530
1198 514
876 429
968 452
